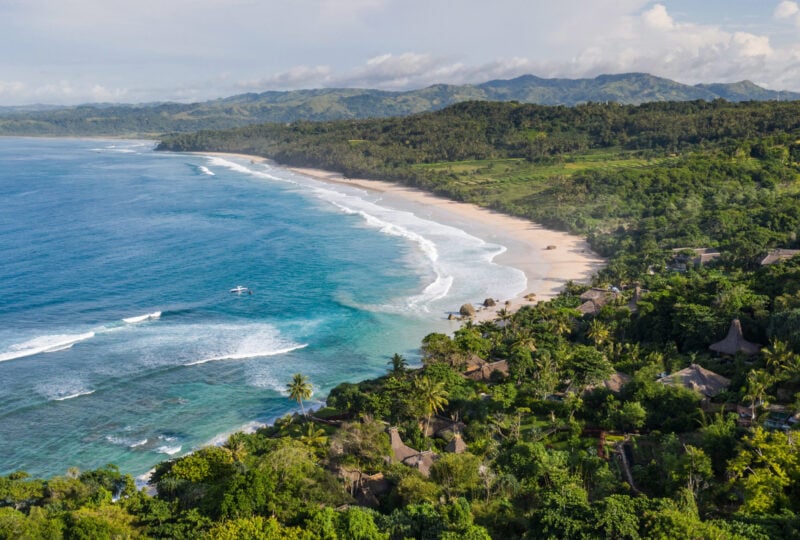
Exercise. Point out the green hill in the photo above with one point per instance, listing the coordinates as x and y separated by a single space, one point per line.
351 103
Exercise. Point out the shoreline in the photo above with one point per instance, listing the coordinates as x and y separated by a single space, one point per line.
547 270
529 245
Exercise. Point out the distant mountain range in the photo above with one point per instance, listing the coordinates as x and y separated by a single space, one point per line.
347 103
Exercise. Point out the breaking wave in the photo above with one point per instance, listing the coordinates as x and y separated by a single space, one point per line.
44 344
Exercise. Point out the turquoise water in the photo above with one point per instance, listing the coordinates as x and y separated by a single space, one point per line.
119 339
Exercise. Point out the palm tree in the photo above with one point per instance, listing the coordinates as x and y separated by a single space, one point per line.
557 321
235 446
299 389
314 437
398 364
598 332
757 384
433 396
781 360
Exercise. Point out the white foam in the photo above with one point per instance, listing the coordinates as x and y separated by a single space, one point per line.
114 149
144 479
461 264
76 394
222 438
250 354
136 444
44 344
142 318
120 441
206 170
169 450
237 167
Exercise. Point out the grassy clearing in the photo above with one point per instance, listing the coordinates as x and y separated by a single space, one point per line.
500 182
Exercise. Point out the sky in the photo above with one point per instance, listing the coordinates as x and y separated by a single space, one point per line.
134 51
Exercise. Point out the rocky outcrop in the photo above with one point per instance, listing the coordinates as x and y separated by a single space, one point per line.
467 310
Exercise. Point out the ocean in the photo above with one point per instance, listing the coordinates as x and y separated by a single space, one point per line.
120 341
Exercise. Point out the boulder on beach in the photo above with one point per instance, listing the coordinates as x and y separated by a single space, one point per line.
467 310
551 247
489 302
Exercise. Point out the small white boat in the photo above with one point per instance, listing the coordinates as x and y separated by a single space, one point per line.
239 290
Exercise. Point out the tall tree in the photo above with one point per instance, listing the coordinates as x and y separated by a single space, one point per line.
398 364
598 332
433 397
299 389
757 384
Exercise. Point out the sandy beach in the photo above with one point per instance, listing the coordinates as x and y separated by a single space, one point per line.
547 270
548 258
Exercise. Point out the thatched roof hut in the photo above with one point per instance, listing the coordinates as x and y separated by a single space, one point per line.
406 455
456 445
699 257
442 427
422 462
594 299
777 255
698 379
483 372
400 452
734 342
614 383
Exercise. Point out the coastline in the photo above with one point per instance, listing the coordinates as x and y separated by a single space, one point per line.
527 243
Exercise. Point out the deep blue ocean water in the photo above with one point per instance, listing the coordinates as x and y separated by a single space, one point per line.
119 339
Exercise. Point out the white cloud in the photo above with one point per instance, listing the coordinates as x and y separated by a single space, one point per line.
295 77
788 10
199 49
394 72
64 91
658 17
656 42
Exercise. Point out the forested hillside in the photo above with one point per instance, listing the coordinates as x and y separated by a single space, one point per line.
153 120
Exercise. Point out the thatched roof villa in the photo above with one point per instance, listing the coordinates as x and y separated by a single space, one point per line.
698 379
401 453
481 370
778 255
456 445
594 299
735 343
699 257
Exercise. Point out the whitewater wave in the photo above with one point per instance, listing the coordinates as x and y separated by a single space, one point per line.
44 344
441 285
127 442
116 149
206 170
76 394
461 264
222 162
249 354
142 318
248 428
